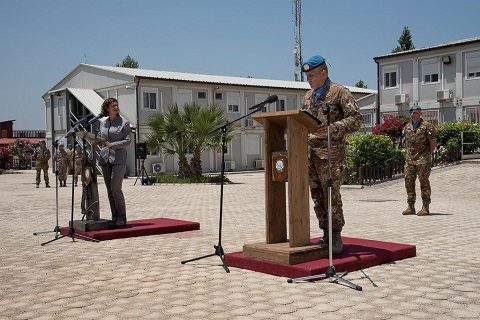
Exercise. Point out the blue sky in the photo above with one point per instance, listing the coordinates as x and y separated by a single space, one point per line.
41 41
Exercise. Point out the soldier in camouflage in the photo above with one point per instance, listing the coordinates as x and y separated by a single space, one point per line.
78 163
419 141
61 157
41 156
345 118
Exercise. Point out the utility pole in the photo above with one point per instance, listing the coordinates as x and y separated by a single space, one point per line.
297 47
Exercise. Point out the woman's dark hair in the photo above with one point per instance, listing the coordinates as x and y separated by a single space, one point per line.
105 105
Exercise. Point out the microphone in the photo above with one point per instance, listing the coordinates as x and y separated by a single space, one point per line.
82 121
326 108
270 99
93 120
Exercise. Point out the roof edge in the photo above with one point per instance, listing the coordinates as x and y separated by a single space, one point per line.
431 48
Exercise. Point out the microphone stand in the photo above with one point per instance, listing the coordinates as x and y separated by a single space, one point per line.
330 273
56 229
71 233
218 247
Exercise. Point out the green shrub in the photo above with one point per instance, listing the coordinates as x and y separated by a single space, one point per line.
366 149
448 135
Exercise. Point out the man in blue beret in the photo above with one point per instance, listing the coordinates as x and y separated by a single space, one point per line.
345 118
419 141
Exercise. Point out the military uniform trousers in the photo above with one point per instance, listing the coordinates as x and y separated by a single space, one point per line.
413 170
113 176
318 174
39 167
62 171
78 171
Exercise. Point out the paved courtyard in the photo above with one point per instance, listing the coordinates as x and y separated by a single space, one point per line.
142 278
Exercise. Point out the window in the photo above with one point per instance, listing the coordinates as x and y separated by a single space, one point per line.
218 96
233 102
367 120
280 104
202 95
260 98
150 98
430 71
473 114
472 65
60 106
390 77
431 116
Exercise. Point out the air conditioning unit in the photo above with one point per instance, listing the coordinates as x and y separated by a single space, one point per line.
443 95
229 165
401 99
158 167
259 164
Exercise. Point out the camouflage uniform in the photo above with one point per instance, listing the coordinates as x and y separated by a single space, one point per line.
70 160
41 156
78 164
61 157
418 160
345 118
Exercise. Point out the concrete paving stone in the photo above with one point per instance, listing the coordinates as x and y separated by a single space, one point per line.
418 315
325 308
118 276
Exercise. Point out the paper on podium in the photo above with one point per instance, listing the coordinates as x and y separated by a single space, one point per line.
89 136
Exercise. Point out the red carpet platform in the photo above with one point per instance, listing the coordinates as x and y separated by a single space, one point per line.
139 228
358 254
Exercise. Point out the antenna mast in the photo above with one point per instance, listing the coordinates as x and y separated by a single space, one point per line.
297 48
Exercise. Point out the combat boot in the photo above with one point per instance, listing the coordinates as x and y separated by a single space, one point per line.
410 210
424 211
323 242
37 185
47 186
337 244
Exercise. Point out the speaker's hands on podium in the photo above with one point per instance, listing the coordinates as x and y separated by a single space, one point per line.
322 128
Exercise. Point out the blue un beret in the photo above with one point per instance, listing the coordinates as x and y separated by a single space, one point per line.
415 107
312 63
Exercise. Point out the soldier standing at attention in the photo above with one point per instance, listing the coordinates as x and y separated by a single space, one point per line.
419 140
41 156
345 118
78 163
62 165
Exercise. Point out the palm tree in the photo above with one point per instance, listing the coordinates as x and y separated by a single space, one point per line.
203 120
170 135
180 132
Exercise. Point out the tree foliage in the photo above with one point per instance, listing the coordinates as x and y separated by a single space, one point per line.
5 157
361 84
405 41
128 62
186 131
22 149
391 126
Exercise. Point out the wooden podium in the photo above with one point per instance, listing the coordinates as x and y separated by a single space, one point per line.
282 165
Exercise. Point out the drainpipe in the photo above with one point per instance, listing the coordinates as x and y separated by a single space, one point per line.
52 122
378 93
137 133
